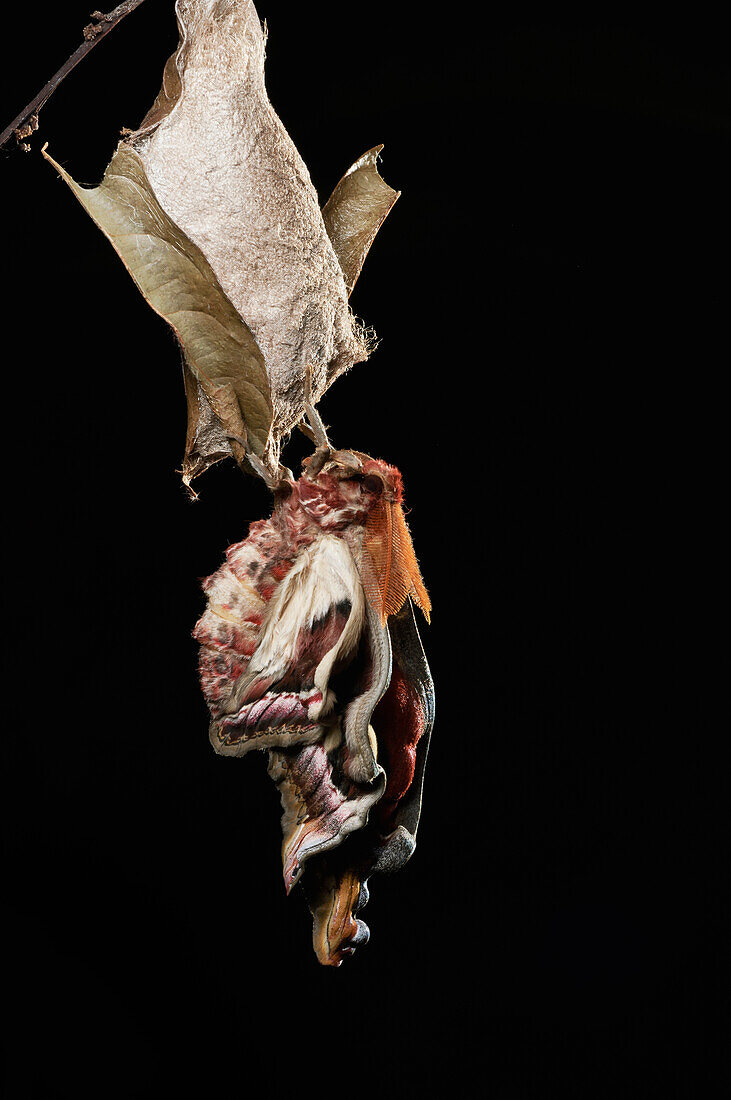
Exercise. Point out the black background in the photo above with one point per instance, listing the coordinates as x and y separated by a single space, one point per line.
551 295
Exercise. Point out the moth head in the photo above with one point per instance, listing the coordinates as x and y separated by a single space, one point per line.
351 489
346 487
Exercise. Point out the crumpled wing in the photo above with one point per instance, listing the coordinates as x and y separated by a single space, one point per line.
327 803
312 628
336 880
400 819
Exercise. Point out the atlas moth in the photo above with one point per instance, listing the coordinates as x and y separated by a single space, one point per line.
309 648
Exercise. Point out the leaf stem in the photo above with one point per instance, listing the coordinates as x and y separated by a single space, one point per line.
26 122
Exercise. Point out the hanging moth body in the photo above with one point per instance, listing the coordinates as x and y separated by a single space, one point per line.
309 650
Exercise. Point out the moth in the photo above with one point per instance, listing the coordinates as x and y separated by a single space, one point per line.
310 651
309 646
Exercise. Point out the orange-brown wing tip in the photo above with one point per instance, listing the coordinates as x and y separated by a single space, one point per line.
422 601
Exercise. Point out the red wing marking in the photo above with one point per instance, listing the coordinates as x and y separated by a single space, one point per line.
398 721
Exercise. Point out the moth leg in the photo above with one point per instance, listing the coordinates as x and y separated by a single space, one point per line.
305 428
317 428
316 461
317 431
270 480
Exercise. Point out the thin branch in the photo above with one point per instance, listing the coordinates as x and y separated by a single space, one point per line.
27 121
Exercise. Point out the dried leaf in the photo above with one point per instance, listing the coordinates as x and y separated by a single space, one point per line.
225 170
225 187
205 441
178 282
356 211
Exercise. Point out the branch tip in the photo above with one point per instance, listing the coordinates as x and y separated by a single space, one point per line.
26 123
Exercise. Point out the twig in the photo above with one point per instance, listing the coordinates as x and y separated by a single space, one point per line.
27 121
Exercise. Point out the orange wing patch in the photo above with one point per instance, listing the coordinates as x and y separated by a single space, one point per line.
395 574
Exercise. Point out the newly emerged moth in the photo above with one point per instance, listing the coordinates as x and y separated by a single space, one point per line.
309 648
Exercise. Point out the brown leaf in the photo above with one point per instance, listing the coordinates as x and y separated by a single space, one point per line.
178 282
205 441
356 211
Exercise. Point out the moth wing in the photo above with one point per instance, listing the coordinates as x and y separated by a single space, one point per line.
312 626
